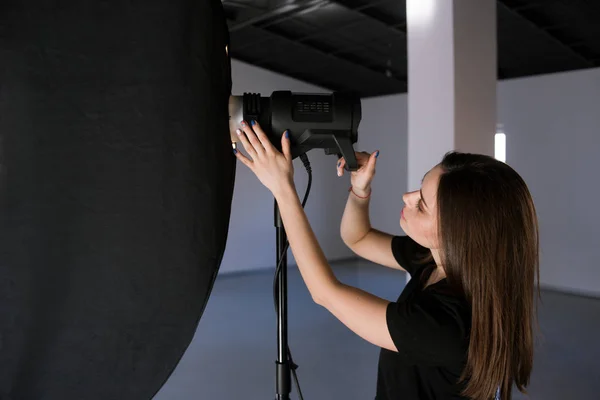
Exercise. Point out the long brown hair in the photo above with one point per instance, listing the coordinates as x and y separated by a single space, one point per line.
490 253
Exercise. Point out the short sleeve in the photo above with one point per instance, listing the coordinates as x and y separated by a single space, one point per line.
406 251
427 332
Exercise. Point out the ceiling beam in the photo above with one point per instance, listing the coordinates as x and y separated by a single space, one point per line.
273 17
267 20
338 57
518 12
240 4
398 28
325 53
279 14
319 32
276 16
353 46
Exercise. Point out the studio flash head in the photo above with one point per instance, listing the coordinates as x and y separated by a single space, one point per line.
315 121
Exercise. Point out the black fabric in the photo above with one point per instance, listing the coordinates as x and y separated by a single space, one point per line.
116 186
430 328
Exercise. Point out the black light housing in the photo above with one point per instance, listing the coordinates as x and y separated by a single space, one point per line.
315 121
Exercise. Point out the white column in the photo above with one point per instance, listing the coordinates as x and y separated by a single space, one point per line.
452 73
451 81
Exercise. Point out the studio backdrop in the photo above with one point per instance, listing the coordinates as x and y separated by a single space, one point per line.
116 177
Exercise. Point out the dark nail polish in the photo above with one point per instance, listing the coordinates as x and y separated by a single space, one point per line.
377 154
339 164
253 122
234 151
287 134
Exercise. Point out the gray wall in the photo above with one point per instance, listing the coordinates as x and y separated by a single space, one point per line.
384 127
552 126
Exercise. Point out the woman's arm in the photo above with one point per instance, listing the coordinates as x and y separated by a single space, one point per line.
356 230
356 223
362 312
357 233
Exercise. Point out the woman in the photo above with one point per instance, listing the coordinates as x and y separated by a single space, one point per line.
463 326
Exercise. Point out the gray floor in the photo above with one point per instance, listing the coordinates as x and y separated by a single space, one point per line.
232 355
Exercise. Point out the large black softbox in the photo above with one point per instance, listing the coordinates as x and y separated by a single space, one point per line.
116 186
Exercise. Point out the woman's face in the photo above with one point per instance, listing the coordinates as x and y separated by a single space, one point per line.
418 218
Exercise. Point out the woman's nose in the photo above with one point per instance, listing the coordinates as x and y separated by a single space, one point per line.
405 198
408 198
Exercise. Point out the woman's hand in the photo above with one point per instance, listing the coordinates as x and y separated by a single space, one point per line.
272 168
362 178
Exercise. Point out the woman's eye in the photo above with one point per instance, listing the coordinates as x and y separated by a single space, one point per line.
419 205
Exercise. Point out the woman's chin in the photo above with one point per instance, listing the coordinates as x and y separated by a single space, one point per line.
403 225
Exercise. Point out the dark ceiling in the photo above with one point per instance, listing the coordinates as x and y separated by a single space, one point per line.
360 45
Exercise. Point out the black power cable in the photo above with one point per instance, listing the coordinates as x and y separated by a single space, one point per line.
293 366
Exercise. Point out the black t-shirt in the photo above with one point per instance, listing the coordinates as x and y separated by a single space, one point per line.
430 328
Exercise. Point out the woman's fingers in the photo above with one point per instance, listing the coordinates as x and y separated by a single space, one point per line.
247 145
245 160
373 158
340 166
258 147
371 161
286 146
262 137
364 160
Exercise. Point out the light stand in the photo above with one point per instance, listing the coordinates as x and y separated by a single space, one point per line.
283 378
285 363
